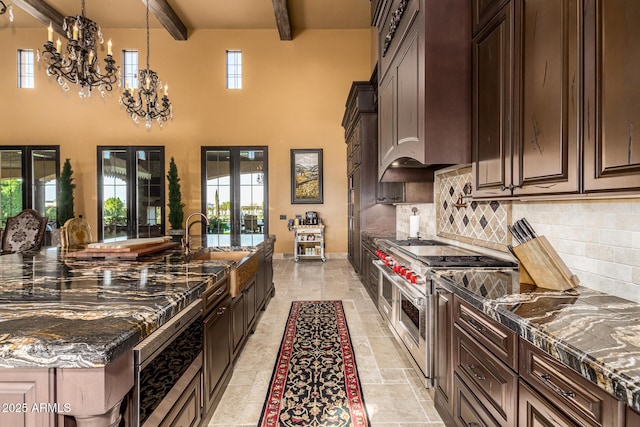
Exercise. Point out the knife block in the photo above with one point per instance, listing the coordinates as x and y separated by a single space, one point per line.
541 263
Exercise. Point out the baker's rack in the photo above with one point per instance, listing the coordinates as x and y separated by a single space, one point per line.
308 242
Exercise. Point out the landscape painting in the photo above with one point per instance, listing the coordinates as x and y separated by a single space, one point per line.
306 176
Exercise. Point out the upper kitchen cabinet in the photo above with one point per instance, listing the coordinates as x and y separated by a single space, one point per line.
482 12
612 96
424 85
527 125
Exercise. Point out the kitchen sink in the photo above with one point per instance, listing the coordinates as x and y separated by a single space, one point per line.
243 268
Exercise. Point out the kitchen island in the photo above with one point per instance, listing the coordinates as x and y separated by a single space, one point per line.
68 327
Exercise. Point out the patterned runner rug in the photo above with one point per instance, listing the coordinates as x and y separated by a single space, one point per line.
315 381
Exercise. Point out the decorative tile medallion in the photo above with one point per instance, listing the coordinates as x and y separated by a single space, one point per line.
460 217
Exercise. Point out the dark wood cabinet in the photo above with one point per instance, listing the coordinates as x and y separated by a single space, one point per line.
237 327
424 82
217 353
443 366
482 11
467 410
492 51
633 418
364 210
534 410
527 127
612 94
250 304
575 396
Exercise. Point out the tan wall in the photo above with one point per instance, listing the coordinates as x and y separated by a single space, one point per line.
293 97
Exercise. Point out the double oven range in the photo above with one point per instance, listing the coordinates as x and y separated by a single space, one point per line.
405 291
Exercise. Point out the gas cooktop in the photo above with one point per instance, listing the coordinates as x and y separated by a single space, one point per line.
452 261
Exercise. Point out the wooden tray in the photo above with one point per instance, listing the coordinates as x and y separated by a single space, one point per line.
123 253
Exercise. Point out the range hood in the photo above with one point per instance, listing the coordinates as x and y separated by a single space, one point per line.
407 169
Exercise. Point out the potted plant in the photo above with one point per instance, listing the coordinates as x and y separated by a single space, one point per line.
176 207
65 198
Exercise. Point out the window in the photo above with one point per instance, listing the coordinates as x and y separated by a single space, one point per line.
130 69
234 192
234 69
28 180
130 192
25 69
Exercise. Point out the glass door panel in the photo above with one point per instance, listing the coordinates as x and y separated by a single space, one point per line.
115 193
218 191
10 184
252 191
44 174
150 193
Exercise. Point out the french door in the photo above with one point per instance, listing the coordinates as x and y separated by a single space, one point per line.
131 199
234 190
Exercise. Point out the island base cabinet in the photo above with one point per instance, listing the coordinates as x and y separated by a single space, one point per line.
217 355
237 325
633 418
467 410
20 390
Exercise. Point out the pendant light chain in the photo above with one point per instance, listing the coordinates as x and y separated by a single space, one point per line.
148 43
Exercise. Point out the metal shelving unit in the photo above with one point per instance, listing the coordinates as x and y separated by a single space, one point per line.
308 242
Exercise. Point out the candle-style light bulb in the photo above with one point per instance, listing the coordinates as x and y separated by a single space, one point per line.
75 31
90 56
109 51
166 90
58 45
50 33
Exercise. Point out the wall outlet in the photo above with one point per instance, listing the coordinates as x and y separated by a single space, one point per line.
283 217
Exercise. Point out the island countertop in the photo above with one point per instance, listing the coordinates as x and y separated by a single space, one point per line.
596 334
62 312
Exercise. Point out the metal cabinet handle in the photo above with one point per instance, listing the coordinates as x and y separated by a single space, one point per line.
478 376
547 379
475 325
221 311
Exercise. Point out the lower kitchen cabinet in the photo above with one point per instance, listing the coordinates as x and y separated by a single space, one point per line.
443 367
217 354
237 325
467 410
534 410
633 418
186 410
369 274
23 388
250 304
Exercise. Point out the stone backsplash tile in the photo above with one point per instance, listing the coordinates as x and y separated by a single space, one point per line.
460 217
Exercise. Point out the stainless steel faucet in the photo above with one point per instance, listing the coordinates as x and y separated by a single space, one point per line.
186 241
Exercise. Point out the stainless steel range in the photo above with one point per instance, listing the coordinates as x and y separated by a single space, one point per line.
405 290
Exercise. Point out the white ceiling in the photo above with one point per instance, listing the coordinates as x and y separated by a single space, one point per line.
213 14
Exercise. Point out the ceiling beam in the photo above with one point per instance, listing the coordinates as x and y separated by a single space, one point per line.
168 18
282 19
42 12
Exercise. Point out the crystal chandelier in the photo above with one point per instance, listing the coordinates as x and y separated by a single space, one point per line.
146 103
79 65
4 9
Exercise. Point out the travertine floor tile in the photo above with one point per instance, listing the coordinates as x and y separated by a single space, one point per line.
392 391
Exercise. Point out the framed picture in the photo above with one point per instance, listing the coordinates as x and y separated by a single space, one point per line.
306 176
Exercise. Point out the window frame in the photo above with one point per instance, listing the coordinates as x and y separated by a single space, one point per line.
26 78
234 79
133 83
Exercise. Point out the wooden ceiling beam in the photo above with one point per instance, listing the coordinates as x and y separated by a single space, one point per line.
168 18
283 21
43 13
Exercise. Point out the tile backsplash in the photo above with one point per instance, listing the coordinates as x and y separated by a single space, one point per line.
460 217
599 240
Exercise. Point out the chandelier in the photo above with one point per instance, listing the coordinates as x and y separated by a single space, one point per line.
147 103
79 65
4 9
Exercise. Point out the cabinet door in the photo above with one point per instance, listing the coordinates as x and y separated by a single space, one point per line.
534 410
20 390
443 375
187 410
217 350
467 410
237 324
250 304
633 418
386 119
492 106
548 103
612 95
483 10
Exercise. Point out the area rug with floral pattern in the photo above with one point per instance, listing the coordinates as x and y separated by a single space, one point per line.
315 381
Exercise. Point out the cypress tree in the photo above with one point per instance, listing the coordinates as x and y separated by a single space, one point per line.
65 198
176 206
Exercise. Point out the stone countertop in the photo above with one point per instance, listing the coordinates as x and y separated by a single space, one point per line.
67 313
596 334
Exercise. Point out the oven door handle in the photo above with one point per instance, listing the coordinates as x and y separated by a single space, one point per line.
416 298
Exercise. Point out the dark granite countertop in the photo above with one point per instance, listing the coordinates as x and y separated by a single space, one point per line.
596 334
62 312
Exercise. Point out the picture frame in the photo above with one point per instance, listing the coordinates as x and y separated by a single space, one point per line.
306 176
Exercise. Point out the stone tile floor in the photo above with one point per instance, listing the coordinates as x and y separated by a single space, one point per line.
392 391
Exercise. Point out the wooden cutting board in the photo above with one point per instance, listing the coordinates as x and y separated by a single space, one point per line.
128 245
130 253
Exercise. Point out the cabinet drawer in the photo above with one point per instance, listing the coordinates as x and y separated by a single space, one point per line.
498 339
468 411
535 410
216 293
397 23
569 391
490 380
